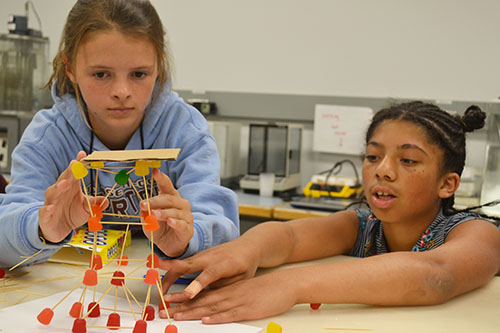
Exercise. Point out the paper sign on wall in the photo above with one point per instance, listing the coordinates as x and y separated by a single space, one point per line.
340 129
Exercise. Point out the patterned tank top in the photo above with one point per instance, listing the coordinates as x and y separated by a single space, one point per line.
371 239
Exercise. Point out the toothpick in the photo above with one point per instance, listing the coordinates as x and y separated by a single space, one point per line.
111 327
57 304
147 197
160 290
346 329
90 310
136 301
23 261
120 215
124 311
107 195
133 186
122 223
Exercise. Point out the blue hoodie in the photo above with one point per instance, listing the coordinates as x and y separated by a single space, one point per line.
56 135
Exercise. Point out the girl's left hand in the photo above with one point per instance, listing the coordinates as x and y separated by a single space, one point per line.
174 217
259 297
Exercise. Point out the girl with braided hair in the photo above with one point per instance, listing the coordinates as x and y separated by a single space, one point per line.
415 248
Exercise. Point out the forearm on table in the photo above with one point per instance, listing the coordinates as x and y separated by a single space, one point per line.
272 240
389 279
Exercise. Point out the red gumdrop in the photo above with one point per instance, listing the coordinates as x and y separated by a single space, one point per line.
116 280
171 329
123 261
94 224
149 313
79 326
90 278
113 321
161 307
2 273
156 261
140 327
76 310
95 310
45 316
97 211
151 223
96 262
151 277
315 306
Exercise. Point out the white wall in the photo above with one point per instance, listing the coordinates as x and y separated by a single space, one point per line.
445 49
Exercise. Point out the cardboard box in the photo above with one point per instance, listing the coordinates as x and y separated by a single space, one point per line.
78 251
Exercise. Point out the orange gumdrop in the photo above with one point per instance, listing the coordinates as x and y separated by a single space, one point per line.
156 261
113 321
95 310
45 316
140 327
151 277
76 310
90 278
96 262
79 326
97 211
315 306
151 223
123 261
171 329
117 279
94 224
161 307
149 313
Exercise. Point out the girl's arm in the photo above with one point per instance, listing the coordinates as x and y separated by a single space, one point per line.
265 245
469 259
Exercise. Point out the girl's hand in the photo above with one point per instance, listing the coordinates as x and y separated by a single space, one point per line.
256 298
219 265
65 206
174 217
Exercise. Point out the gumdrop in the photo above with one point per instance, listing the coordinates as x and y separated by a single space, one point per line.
121 177
79 170
140 327
171 329
76 310
123 261
272 327
95 309
2 273
94 224
90 278
155 164
141 168
96 262
79 326
97 164
97 211
149 313
315 306
151 277
156 261
113 321
161 307
151 223
117 279
45 316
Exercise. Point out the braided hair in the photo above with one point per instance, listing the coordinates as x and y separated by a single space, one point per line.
445 130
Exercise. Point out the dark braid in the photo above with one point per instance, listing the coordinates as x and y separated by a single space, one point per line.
443 129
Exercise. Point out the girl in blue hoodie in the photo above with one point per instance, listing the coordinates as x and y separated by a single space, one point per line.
111 87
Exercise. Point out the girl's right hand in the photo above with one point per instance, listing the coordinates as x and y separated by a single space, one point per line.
65 207
219 265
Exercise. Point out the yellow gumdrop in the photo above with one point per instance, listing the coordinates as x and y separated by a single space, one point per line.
141 168
272 327
79 170
97 164
154 164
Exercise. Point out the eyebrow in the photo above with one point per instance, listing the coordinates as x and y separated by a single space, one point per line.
97 67
402 147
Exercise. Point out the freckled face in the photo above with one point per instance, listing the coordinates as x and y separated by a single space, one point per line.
116 76
401 173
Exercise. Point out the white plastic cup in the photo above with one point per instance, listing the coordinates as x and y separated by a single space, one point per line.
266 184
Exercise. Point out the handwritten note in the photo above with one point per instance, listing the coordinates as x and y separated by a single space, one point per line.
340 129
